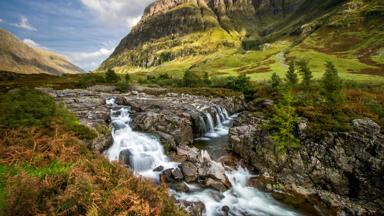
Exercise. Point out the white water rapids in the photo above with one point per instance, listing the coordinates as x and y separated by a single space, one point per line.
146 153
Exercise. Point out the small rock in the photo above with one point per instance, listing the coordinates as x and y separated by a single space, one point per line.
217 185
158 169
176 173
189 171
180 187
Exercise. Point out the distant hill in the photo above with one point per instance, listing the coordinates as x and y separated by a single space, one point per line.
255 37
16 56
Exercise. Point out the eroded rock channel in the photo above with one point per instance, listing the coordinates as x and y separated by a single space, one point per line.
156 136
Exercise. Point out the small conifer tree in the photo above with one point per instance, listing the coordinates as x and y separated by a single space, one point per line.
111 76
275 81
291 76
332 85
306 73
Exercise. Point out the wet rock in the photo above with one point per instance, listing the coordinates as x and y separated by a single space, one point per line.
166 176
366 126
259 104
346 164
193 208
179 187
177 174
217 185
191 153
190 171
158 169
125 157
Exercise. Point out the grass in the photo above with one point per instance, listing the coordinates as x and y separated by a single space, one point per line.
46 168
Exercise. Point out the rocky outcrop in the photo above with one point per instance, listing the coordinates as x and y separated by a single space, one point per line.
347 166
175 118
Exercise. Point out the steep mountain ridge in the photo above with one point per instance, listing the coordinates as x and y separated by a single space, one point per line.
16 56
177 35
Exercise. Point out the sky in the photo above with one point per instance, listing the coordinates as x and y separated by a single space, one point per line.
85 31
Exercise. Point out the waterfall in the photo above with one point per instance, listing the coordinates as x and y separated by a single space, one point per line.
142 153
239 200
211 128
221 125
139 151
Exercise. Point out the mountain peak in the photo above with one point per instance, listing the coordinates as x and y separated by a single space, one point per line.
17 56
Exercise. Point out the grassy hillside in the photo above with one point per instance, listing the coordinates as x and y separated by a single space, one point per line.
16 56
46 168
348 33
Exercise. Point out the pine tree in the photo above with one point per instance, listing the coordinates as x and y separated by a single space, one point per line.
332 85
127 77
206 79
306 73
275 81
111 76
283 123
291 76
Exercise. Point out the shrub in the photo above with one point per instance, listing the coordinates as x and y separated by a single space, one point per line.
111 76
332 86
26 107
90 80
306 73
291 76
275 82
123 86
191 79
283 124
127 77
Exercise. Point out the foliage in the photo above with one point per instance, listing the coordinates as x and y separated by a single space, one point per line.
306 74
31 108
332 86
123 86
89 80
127 77
111 76
240 83
191 79
48 171
291 76
26 107
283 124
276 82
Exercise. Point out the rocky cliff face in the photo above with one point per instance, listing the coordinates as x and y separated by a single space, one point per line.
346 164
160 34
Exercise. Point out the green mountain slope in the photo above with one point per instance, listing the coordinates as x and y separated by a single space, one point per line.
255 37
16 56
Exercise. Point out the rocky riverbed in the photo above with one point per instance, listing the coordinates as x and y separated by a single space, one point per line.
334 175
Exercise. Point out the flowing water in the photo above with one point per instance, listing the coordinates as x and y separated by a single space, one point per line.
144 153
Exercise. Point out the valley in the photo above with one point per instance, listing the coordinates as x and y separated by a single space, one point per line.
204 108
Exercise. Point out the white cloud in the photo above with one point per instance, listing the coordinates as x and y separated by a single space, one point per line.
89 60
86 56
24 24
31 43
1 20
118 12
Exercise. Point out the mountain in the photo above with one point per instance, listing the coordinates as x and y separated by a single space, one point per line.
16 56
254 37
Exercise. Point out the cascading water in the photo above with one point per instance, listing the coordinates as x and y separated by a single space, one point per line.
143 153
239 200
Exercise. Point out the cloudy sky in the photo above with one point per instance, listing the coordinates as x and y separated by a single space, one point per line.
86 31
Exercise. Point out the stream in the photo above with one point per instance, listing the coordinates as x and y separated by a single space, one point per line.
145 153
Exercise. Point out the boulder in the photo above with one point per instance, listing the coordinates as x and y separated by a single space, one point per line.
215 184
177 174
189 171
192 208
125 157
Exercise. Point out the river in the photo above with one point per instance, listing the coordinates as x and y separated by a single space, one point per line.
146 153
